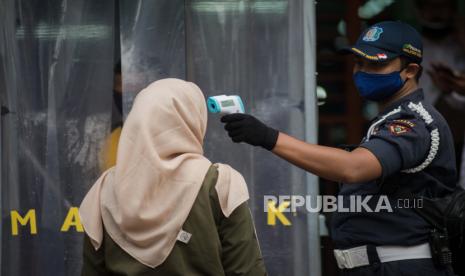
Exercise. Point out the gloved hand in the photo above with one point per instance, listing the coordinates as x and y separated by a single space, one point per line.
246 128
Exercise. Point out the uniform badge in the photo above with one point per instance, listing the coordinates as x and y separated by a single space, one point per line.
398 128
372 34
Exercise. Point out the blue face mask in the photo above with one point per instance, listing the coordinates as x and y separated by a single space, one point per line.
377 87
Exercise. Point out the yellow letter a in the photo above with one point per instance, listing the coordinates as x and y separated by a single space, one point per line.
72 219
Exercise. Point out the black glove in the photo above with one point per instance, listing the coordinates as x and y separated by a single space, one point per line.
246 128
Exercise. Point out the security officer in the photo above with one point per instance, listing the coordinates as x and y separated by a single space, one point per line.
407 146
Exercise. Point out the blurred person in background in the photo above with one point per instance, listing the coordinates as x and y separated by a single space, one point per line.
444 82
443 35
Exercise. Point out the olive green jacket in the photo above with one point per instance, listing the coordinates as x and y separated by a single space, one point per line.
218 246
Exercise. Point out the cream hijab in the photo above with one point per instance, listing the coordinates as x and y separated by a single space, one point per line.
145 199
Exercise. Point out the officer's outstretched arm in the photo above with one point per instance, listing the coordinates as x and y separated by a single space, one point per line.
331 163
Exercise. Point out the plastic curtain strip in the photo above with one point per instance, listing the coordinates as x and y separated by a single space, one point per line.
253 49
57 78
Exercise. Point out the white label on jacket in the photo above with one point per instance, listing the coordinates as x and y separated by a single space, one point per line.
184 236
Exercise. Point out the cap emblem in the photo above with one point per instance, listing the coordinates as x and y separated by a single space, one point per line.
372 34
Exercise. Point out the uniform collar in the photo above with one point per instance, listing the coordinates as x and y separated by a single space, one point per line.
415 96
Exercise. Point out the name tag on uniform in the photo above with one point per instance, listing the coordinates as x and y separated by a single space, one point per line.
184 236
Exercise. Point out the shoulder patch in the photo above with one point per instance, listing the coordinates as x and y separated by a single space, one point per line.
398 128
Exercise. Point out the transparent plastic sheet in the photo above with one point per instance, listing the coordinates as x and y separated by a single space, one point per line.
56 79
251 48
152 44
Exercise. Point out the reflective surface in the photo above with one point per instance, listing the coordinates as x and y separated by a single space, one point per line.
56 78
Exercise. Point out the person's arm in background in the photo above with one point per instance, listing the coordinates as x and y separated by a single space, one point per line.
451 84
334 164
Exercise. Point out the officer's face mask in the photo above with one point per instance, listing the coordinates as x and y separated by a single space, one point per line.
378 87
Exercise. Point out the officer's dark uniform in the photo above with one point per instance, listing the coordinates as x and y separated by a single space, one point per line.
401 141
414 146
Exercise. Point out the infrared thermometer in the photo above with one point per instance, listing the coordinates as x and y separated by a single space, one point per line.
225 104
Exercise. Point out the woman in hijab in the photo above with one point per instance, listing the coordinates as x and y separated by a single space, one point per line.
165 209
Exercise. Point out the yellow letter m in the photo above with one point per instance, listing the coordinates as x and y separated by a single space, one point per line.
29 218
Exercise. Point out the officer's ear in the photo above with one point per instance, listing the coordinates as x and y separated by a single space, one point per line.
411 70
